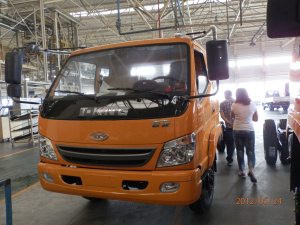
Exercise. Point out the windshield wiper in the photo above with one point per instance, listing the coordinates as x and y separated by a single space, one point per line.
120 89
142 91
77 93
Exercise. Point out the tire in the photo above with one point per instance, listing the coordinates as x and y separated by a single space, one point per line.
93 199
283 155
270 142
284 150
221 144
282 124
203 204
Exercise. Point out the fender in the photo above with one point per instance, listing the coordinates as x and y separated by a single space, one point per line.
213 142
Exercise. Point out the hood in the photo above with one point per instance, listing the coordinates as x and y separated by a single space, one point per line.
123 132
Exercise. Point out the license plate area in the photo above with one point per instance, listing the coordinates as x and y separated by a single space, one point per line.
272 151
101 180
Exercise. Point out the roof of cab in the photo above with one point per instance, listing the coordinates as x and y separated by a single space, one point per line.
140 42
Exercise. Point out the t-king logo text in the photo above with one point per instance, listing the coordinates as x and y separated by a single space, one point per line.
102 111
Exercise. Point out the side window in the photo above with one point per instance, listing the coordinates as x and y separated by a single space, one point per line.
200 71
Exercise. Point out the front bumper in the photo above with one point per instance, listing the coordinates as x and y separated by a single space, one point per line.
108 184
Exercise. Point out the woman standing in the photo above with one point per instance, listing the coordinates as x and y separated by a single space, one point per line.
244 111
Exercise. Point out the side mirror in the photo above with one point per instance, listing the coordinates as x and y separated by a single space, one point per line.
14 90
217 59
13 67
283 18
32 50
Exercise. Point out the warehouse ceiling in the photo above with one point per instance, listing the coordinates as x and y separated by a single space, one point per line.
95 22
238 21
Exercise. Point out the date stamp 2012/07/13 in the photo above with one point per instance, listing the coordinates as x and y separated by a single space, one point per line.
258 201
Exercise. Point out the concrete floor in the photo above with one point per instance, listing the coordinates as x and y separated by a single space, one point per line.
36 206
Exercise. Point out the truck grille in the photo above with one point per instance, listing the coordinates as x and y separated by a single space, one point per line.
112 157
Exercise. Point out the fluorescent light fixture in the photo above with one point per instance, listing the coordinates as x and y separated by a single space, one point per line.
259 61
250 62
276 60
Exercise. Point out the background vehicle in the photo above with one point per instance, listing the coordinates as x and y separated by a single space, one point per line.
273 100
134 121
283 21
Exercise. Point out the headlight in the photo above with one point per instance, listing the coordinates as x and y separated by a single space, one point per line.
177 152
46 148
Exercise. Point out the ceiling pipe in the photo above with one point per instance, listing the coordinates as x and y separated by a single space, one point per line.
180 11
175 15
236 18
186 26
252 42
212 29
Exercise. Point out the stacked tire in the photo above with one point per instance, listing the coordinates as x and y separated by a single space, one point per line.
270 141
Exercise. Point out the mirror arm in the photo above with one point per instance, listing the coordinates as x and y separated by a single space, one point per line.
202 96
17 48
17 101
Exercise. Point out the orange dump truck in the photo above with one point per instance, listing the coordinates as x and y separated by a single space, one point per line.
134 121
283 20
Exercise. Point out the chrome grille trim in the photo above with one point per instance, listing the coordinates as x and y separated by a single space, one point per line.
111 157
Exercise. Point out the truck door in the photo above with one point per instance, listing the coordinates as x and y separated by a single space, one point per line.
202 84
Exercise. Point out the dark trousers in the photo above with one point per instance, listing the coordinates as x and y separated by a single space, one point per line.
230 144
245 139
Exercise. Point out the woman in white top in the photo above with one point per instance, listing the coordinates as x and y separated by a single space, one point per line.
244 111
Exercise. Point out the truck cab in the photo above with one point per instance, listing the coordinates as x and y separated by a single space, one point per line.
135 121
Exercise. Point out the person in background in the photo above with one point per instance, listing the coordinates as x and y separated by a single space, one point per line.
225 109
244 111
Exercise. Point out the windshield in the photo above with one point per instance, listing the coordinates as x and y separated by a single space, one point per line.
122 83
123 71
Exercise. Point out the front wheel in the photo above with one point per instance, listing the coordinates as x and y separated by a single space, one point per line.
203 204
